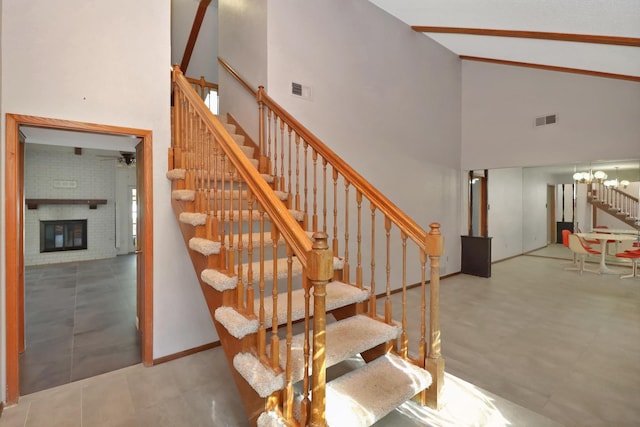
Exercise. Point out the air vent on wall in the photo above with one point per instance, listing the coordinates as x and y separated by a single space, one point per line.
301 91
547 120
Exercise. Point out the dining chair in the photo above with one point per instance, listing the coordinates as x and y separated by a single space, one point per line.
634 257
581 251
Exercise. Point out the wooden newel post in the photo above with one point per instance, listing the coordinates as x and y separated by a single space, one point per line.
320 270
435 362
262 159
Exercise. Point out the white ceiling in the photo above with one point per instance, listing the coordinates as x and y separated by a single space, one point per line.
619 18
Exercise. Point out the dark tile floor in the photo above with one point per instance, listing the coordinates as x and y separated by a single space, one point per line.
80 321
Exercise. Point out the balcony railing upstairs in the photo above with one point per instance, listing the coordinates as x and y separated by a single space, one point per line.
617 202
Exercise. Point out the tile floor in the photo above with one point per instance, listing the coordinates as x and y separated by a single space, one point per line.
534 345
79 321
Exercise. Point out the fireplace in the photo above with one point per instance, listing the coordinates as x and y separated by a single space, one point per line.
63 235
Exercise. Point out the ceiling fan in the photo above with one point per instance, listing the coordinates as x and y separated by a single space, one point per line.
125 158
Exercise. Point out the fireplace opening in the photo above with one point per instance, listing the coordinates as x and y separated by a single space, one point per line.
63 235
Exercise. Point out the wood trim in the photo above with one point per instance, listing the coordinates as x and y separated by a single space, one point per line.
93 203
188 352
12 258
202 82
551 68
13 232
541 35
193 36
147 307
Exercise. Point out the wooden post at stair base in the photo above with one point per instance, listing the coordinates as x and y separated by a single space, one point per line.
263 164
320 270
435 362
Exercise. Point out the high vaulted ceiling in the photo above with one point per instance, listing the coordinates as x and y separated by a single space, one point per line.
610 21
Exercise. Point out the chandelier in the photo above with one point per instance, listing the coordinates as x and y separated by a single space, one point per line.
616 183
589 177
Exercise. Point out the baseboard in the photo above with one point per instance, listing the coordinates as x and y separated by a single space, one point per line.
1 408
184 353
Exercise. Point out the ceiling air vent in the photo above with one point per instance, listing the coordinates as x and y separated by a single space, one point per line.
546 120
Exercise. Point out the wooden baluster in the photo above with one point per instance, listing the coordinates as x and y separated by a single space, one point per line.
388 316
305 218
262 329
320 271
276 181
422 347
324 200
275 340
200 200
232 218
238 204
359 240
345 269
269 134
305 406
288 403
404 340
281 187
289 166
250 290
335 212
297 198
372 296
435 363
216 171
223 222
314 219
210 225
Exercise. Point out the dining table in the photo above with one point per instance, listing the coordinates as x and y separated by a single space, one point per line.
604 237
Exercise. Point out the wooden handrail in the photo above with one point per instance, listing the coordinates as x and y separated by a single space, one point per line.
286 224
202 82
626 195
387 207
237 76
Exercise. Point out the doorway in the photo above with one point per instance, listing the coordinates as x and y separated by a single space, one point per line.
14 183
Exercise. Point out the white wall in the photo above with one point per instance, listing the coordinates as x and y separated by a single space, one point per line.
108 62
534 208
598 118
384 98
94 179
505 216
204 60
242 42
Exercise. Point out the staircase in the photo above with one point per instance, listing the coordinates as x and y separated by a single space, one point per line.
256 217
615 202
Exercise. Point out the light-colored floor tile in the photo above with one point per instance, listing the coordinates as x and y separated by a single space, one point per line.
106 402
15 416
59 409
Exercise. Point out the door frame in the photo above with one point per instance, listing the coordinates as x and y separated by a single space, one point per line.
14 234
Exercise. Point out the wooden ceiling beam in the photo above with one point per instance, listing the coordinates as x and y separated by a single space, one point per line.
195 29
580 38
552 68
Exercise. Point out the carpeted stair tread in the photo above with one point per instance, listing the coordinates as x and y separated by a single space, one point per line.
193 218
175 174
209 247
363 396
262 379
229 127
184 195
344 339
204 246
239 139
237 324
338 295
255 215
296 270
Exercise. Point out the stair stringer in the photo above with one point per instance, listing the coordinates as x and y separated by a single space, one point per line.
253 403
606 208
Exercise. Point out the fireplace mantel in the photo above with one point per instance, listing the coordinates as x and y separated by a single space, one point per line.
93 203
